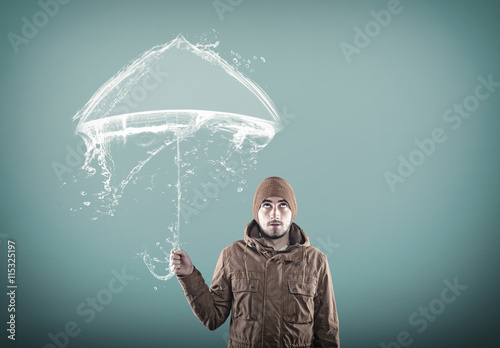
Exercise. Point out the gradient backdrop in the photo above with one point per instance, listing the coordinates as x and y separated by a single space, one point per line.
352 112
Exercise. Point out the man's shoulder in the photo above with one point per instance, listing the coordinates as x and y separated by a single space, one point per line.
234 247
233 251
316 253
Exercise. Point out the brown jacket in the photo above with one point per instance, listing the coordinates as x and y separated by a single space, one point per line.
277 299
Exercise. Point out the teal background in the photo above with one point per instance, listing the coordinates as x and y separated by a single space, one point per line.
389 251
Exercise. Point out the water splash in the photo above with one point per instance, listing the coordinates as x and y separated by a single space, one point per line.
182 99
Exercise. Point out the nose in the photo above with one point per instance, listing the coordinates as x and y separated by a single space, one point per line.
275 215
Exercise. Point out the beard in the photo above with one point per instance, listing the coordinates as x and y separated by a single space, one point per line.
273 235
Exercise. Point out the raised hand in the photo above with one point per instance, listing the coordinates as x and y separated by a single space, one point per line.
180 263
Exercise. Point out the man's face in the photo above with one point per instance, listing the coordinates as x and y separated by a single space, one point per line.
275 217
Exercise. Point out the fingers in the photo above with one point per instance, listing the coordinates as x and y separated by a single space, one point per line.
175 260
177 253
180 263
174 269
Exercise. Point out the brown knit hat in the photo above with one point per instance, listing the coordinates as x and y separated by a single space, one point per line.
274 187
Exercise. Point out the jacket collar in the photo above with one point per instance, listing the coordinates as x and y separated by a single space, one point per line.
296 251
297 236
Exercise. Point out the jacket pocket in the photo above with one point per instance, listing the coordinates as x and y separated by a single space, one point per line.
244 298
300 306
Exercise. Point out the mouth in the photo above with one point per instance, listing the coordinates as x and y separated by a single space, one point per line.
275 224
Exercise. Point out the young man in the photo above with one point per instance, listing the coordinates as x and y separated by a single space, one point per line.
276 285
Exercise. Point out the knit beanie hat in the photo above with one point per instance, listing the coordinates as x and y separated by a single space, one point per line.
274 187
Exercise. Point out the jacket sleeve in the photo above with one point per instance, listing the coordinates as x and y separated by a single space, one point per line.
326 321
210 305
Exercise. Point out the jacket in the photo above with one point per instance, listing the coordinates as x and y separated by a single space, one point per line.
276 299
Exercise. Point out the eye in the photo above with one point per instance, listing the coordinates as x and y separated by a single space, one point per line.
266 205
284 205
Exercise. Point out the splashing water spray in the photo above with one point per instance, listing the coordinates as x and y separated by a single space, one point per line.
182 99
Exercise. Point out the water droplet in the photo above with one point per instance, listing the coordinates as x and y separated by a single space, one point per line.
235 60
86 203
240 189
263 59
83 193
155 288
